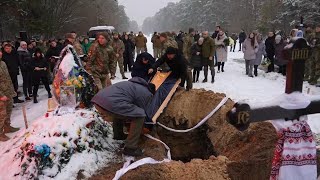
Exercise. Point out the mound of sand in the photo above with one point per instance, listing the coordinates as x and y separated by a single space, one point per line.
241 155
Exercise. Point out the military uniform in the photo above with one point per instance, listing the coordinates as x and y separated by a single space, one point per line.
169 42
141 44
99 61
208 50
6 89
157 46
188 41
118 48
309 36
77 46
315 64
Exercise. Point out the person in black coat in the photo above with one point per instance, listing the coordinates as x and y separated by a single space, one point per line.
40 67
177 64
25 60
196 50
53 50
143 63
270 50
216 32
127 54
10 57
242 38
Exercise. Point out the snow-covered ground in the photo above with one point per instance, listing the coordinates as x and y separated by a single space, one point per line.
233 82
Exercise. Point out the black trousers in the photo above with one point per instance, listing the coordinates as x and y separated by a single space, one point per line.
240 49
128 61
36 83
255 70
14 79
27 83
221 64
271 66
283 70
196 74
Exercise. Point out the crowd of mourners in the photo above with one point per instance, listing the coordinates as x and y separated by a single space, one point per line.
186 55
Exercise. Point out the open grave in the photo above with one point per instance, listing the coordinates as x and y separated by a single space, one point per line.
215 150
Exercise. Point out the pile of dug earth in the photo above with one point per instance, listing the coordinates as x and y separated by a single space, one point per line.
215 150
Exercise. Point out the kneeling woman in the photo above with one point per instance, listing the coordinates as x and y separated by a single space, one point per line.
40 67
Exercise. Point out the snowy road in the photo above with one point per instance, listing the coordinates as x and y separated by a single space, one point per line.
232 82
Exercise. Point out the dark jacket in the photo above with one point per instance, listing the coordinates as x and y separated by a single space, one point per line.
12 62
52 51
127 98
280 59
40 63
196 59
242 37
179 40
129 47
178 65
215 34
270 46
196 37
25 60
141 70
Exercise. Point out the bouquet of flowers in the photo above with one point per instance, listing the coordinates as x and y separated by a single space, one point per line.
69 72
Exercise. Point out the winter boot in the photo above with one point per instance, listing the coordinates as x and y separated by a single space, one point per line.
49 95
16 100
9 129
35 100
205 80
3 137
136 152
212 81
118 133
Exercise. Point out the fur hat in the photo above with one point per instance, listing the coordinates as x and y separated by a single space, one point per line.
104 34
171 50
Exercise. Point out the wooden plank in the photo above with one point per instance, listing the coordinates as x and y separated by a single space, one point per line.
166 101
159 78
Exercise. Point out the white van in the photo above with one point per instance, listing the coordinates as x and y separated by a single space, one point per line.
94 30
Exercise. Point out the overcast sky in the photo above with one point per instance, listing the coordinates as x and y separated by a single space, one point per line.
140 9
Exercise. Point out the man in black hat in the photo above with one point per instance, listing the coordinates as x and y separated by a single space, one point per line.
177 64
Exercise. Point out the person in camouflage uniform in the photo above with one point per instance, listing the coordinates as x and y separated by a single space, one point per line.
99 61
315 64
118 49
188 41
157 45
76 44
167 42
208 50
132 37
7 92
309 36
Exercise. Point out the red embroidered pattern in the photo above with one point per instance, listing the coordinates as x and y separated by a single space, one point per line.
295 134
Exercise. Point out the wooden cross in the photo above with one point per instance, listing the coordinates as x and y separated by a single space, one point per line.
243 114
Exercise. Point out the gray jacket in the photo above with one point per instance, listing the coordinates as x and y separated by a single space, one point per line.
128 98
260 53
249 50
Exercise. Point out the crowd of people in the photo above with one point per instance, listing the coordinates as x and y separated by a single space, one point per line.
185 54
